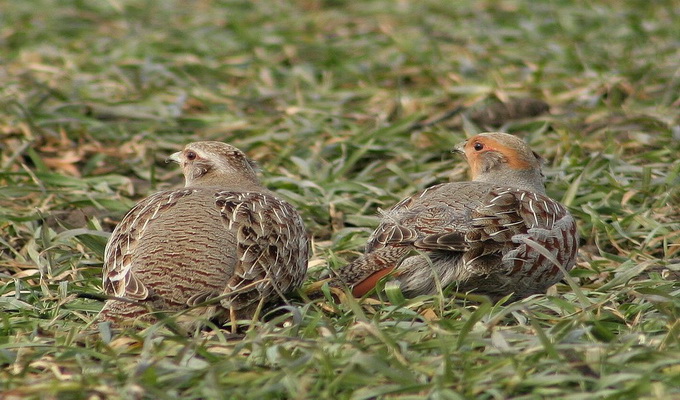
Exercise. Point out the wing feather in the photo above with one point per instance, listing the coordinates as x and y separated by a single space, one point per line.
270 234
479 224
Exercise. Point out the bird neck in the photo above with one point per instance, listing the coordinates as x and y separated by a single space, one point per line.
527 179
227 182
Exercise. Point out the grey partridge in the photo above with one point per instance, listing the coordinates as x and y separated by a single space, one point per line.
221 236
483 236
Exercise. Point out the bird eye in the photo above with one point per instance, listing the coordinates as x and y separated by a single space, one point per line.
478 146
191 155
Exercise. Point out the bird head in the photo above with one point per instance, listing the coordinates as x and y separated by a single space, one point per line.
503 159
214 164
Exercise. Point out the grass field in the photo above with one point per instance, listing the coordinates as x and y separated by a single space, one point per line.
348 106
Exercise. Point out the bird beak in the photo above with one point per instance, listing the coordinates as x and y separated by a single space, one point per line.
459 148
174 157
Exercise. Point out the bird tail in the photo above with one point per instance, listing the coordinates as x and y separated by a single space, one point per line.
364 273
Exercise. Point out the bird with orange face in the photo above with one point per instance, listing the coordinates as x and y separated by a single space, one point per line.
497 235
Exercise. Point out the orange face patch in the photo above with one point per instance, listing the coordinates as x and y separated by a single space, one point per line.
478 145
